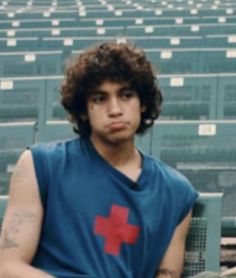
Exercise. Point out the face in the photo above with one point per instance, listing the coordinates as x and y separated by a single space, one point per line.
114 112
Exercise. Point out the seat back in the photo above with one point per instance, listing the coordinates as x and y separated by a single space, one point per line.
203 240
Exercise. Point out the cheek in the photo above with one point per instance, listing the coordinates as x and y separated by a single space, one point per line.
90 107
134 112
94 115
136 108
91 110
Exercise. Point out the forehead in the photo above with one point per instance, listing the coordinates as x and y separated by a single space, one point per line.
108 86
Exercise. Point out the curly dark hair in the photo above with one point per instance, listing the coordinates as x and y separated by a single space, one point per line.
114 62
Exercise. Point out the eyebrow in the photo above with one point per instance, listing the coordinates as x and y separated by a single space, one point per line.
94 92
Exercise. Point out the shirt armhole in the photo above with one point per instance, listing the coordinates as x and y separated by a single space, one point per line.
40 167
191 199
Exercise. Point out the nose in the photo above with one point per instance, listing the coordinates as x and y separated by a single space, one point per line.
114 107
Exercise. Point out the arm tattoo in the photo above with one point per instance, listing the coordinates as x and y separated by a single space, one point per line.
166 273
13 227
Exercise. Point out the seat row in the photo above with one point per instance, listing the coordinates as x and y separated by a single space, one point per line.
122 30
165 60
186 97
54 39
113 22
111 10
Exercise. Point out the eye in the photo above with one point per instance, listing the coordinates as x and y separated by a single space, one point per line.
97 98
128 93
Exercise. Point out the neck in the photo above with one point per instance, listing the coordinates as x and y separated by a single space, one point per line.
117 154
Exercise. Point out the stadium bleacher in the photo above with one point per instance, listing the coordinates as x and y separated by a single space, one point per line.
227 99
31 64
189 97
192 45
21 99
205 152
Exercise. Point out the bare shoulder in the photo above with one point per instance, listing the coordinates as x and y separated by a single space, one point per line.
23 185
24 167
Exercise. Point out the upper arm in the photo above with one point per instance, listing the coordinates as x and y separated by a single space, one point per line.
23 219
174 256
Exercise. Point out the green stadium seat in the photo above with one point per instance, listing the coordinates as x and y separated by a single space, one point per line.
58 31
202 251
181 60
21 99
215 60
220 29
153 30
212 12
189 97
54 131
174 61
218 41
72 20
54 110
35 23
167 41
148 42
207 19
63 13
181 30
25 33
18 44
92 10
31 64
102 13
108 22
37 14
226 97
68 44
133 19
204 151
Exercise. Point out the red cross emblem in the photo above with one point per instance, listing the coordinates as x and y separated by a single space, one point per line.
116 230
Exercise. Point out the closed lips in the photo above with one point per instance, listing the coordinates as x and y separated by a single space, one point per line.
117 125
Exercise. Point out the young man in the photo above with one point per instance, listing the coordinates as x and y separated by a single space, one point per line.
96 206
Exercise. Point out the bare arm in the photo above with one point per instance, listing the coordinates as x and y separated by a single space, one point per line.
22 223
172 263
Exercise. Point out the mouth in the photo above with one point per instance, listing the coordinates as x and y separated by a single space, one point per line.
116 126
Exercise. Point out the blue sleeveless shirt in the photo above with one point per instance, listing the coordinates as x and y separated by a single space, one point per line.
98 223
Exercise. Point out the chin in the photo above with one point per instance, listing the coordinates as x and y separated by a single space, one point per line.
120 138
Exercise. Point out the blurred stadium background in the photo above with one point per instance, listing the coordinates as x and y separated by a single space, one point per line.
192 44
